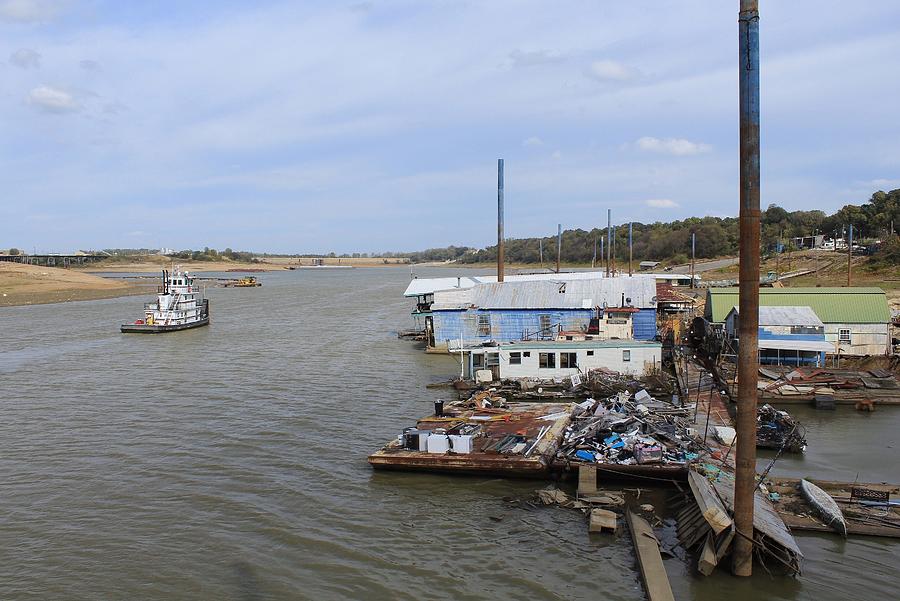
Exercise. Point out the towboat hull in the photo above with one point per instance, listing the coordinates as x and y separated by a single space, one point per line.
143 328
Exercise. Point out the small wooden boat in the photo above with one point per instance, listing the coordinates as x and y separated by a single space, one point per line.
825 506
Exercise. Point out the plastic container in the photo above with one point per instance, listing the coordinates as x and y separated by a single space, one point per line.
461 443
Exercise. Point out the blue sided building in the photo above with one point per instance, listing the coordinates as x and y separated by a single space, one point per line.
542 310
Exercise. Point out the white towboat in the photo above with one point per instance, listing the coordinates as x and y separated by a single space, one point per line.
179 306
825 506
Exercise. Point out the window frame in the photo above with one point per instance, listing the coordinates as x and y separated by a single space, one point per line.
568 360
546 360
626 355
483 324
515 358
845 340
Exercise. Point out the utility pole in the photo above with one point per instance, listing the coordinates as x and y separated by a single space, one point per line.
594 258
630 254
558 245
850 257
693 255
608 238
749 217
500 220
541 252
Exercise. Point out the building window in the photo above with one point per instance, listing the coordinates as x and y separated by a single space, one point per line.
568 360
515 358
526 354
844 335
477 361
626 356
590 353
492 359
547 360
484 324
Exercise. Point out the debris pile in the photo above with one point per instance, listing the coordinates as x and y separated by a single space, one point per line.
846 385
778 430
630 430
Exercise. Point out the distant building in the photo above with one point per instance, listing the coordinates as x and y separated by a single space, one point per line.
538 310
787 336
857 321
645 265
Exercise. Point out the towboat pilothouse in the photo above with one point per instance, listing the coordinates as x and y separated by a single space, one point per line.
179 306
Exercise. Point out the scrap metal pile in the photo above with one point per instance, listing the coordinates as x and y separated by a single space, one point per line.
630 430
777 429
847 384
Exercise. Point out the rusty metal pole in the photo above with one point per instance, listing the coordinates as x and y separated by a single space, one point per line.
630 255
500 248
558 244
745 454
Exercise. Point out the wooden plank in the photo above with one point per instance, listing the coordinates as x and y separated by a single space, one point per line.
708 561
710 505
587 480
646 546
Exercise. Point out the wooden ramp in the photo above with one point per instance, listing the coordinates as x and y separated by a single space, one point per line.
646 546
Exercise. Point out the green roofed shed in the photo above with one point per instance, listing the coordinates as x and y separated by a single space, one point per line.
831 305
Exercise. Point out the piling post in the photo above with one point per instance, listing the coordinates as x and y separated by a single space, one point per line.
558 245
500 248
630 253
850 257
749 218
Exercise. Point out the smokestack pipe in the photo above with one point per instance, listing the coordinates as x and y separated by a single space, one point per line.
500 248
608 238
558 245
630 255
748 354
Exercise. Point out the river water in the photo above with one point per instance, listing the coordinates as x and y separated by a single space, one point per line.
229 462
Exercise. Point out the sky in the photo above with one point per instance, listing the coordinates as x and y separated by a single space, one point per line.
373 126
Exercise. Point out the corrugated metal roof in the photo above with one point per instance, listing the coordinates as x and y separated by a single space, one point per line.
797 345
577 294
786 316
422 286
831 305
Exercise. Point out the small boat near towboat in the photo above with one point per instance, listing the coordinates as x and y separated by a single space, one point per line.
179 306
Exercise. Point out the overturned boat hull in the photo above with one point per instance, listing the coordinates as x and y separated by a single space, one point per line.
825 506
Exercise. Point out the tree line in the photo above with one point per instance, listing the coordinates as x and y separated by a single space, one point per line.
670 242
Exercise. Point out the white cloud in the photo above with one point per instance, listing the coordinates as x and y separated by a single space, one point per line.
673 146
610 70
885 184
26 58
533 141
661 203
52 100
532 58
29 11
89 65
556 156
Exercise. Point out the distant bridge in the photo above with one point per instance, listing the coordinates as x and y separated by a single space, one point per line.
53 260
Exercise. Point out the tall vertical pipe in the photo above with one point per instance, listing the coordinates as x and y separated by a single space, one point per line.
558 245
500 248
693 255
745 453
850 257
630 255
608 238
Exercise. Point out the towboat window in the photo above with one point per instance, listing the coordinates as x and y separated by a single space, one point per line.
626 356
515 358
477 360
568 360
844 336
547 360
484 325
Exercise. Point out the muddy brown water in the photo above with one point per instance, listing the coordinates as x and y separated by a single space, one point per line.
229 462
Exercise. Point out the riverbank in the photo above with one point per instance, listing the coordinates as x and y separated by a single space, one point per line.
35 285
